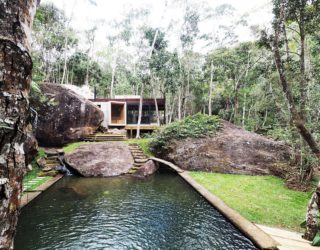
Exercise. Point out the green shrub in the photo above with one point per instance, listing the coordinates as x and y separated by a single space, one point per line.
195 126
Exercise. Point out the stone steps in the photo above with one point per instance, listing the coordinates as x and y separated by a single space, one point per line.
105 137
139 157
52 162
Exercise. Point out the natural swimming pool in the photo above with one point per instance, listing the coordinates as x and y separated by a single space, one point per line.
162 212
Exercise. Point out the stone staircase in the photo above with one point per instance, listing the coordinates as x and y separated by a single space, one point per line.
52 161
139 157
101 137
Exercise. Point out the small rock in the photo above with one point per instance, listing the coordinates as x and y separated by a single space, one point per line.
149 168
47 169
41 162
30 148
29 167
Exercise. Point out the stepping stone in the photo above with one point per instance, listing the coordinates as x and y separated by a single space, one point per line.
51 152
139 156
136 167
137 153
51 161
138 164
141 160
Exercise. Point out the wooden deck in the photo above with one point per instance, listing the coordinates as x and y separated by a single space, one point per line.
142 127
100 137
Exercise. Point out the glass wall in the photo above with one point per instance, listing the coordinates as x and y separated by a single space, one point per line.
149 115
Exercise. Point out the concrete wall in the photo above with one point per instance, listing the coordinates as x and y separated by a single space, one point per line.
104 106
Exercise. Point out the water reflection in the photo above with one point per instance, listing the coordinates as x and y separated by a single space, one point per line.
162 212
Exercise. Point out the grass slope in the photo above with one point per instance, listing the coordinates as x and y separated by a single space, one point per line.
73 146
143 143
260 199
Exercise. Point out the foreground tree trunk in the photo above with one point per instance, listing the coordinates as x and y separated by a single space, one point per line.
298 121
312 215
210 90
16 18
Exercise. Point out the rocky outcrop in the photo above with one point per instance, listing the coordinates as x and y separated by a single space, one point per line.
101 159
149 168
231 150
30 148
63 115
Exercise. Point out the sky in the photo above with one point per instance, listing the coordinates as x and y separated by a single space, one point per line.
85 14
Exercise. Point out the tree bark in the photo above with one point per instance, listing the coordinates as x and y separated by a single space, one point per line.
140 110
15 77
65 60
155 101
303 81
297 121
313 211
112 80
210 90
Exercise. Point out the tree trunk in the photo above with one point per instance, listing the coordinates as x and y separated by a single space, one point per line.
15 77
297 120
179 104
210 90
244 111
142 87
313 211
140 110
156 103
303 82
65 60
113 76
112 81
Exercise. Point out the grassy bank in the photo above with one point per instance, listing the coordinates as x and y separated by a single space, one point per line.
30 179
143 143
73 146
260 199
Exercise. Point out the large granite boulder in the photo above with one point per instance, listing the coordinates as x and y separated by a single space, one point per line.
101 159
63 115
231 150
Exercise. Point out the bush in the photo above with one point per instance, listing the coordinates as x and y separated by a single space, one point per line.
195 126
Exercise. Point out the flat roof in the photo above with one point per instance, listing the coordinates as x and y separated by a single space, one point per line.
146 101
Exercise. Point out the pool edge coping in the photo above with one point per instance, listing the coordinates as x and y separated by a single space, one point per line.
260 238
250 230
30 196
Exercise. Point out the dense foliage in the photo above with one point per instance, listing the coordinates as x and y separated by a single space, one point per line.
195 126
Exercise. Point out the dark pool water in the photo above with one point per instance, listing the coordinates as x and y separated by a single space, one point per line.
124 213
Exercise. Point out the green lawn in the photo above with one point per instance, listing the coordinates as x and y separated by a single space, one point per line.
34 173
143 143
260 199
73 146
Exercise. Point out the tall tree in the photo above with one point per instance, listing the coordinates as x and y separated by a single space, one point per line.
297 119
15 77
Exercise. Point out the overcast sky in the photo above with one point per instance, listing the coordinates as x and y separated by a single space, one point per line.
85 14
